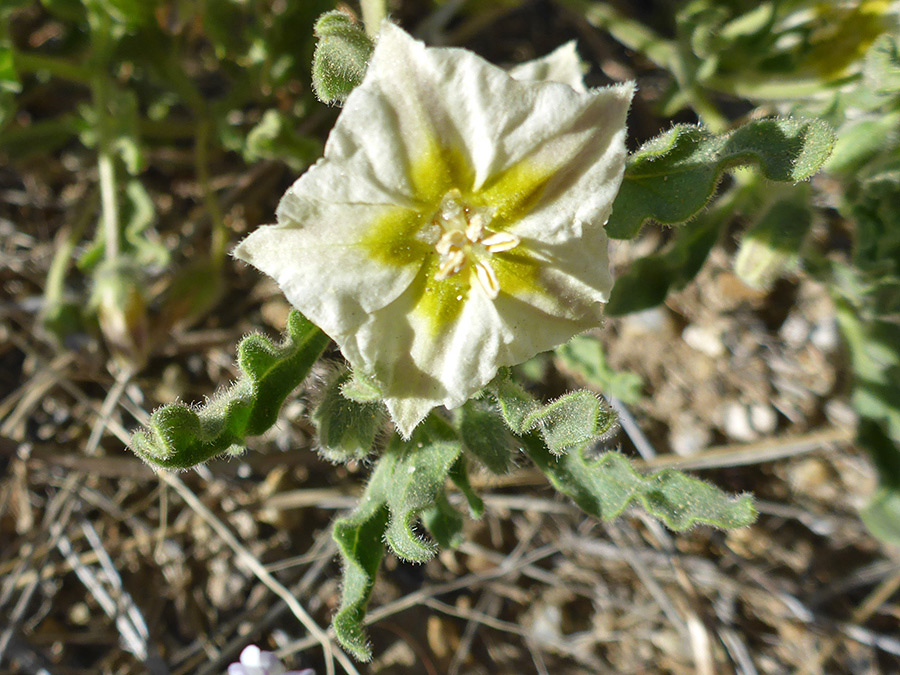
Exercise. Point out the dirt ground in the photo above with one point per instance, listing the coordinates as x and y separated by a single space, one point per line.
107 567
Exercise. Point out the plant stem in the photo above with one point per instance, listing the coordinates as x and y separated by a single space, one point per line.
30 62
373 13
67 238
219 239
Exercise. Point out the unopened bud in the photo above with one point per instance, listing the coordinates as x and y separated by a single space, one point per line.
341 58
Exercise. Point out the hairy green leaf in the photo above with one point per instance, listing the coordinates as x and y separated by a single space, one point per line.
179 436
583 356
604 487
567 424
420 468
459 474
443 522
673 176
485 435
408 482
360 540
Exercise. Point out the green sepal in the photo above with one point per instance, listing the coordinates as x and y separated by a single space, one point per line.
361 389
567 424
341 57
347 429
673 176
604 487
179 436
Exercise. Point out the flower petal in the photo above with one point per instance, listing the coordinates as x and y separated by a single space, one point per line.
336 263
560 65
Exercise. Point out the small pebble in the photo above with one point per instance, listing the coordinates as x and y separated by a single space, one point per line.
704 340
794 331
825 335
689 439
736 422
763 418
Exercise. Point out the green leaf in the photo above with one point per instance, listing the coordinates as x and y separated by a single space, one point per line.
672 177
179 437
650 279
569 423
583 356
9 78
275 137
459 474
882 515
420 469
606 486
360 540
443 522
882 65
341 58
407 482
485 435
347 429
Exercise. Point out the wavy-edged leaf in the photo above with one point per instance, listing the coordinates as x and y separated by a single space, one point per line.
420 467
360 540
649 279
604 487
443 522
180 436
459 474
672 177
567 424
408 482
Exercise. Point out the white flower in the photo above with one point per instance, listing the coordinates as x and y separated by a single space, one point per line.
455 223
254 661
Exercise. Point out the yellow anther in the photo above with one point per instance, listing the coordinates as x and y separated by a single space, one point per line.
498 242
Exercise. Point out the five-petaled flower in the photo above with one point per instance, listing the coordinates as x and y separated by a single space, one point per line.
456 222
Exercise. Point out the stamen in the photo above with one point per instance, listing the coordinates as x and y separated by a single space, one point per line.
451 265
487 278
475 228
500 241
454 239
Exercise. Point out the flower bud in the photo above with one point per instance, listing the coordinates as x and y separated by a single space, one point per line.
341 56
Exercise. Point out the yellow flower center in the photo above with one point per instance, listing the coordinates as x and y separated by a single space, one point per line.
460 235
